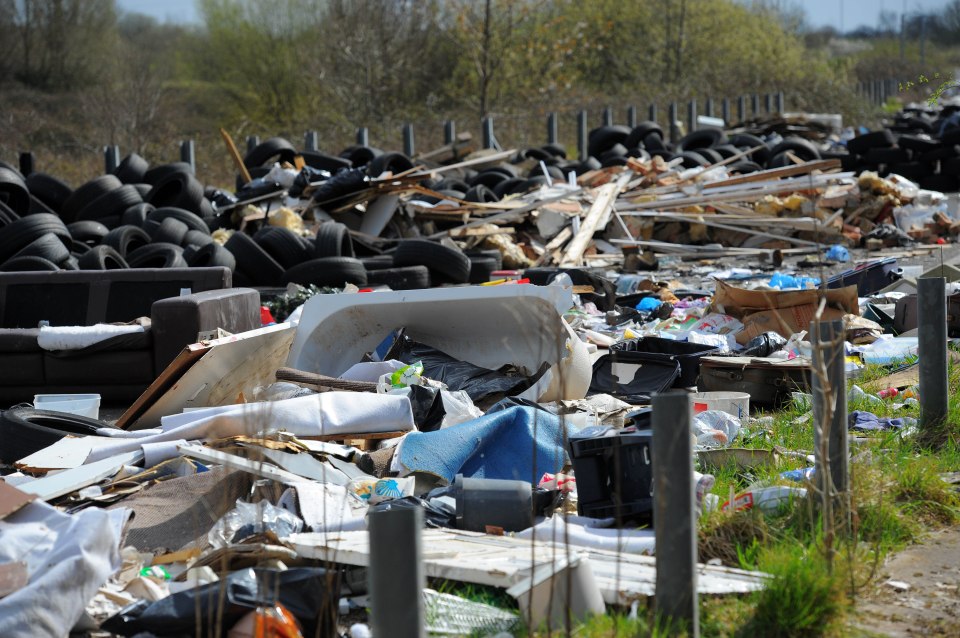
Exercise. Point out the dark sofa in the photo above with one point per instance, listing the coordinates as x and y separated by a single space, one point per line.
180 302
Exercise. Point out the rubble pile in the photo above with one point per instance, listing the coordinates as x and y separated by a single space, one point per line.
477 336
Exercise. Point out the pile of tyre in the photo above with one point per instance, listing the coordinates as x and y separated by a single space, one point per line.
920 144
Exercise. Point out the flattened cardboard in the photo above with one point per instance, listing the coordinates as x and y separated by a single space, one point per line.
785 321
12 499
739 303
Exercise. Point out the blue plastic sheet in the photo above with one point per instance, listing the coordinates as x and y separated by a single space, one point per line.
519 443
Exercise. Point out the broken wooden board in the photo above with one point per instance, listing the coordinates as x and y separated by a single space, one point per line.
503 561
226 368
602 205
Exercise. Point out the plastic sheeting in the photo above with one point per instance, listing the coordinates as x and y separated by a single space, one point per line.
68 558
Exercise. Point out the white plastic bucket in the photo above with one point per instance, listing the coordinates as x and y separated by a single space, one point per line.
735 403
87 405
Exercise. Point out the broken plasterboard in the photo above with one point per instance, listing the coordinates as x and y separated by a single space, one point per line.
226 368
502 561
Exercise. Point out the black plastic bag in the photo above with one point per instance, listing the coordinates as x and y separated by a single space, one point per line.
428 411
479 383
305 177
311 594
764 345
435 516
345 182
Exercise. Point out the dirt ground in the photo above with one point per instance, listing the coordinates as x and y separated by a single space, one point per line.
917 591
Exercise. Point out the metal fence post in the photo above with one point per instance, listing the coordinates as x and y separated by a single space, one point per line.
725 110
742 108
252 142
779 103
395 576
692 116
553 128
631 116
582 134
489 139
755 104
363 136
408 143
111 158
673 510
27 163
449 132
828 356
188 154
652 113
608 116
932 351
311 141
672 114
767 102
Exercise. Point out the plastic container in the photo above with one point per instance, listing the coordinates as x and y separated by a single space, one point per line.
87 405
869 277
683 352
483 503
733 403
614 473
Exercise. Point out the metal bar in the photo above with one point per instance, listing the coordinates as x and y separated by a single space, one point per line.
363 136
396 576
449 132
768 102
582 134
692 116
27 163
188 154
932 350
708 107
631 116
608 116
252 142
408 143
725 110
830 403
311 141
489 139
779 104
111 158
755 104
553 128
672 115
673 505
652 113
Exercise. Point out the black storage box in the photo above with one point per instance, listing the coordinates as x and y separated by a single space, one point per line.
769 382
683 352
614 473
869 277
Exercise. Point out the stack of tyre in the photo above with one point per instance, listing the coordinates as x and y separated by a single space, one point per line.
920 144
137 217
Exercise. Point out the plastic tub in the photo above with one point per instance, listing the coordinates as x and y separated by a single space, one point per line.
735 403
493 502
87 405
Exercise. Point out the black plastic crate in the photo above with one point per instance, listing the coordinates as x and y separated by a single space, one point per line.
614 473
683 352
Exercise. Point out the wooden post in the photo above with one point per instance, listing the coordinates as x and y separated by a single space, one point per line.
932 351
674 511
631 116
449 132
830 419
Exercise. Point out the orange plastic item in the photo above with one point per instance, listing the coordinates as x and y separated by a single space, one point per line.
275 622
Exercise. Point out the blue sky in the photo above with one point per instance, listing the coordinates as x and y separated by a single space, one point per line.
819 12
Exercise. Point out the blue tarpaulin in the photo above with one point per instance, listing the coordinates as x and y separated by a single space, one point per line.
518 443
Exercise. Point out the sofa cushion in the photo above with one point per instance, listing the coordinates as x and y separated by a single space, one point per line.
19 340
118 343
21 368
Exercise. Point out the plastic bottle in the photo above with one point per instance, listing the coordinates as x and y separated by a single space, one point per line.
888 393
275 622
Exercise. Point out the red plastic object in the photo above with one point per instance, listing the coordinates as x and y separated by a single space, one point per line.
265 317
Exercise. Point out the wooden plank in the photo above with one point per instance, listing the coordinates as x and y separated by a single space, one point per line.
235 154
503 561
61 483
234 462
787 171
483 232
228 367
174 370
602 205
